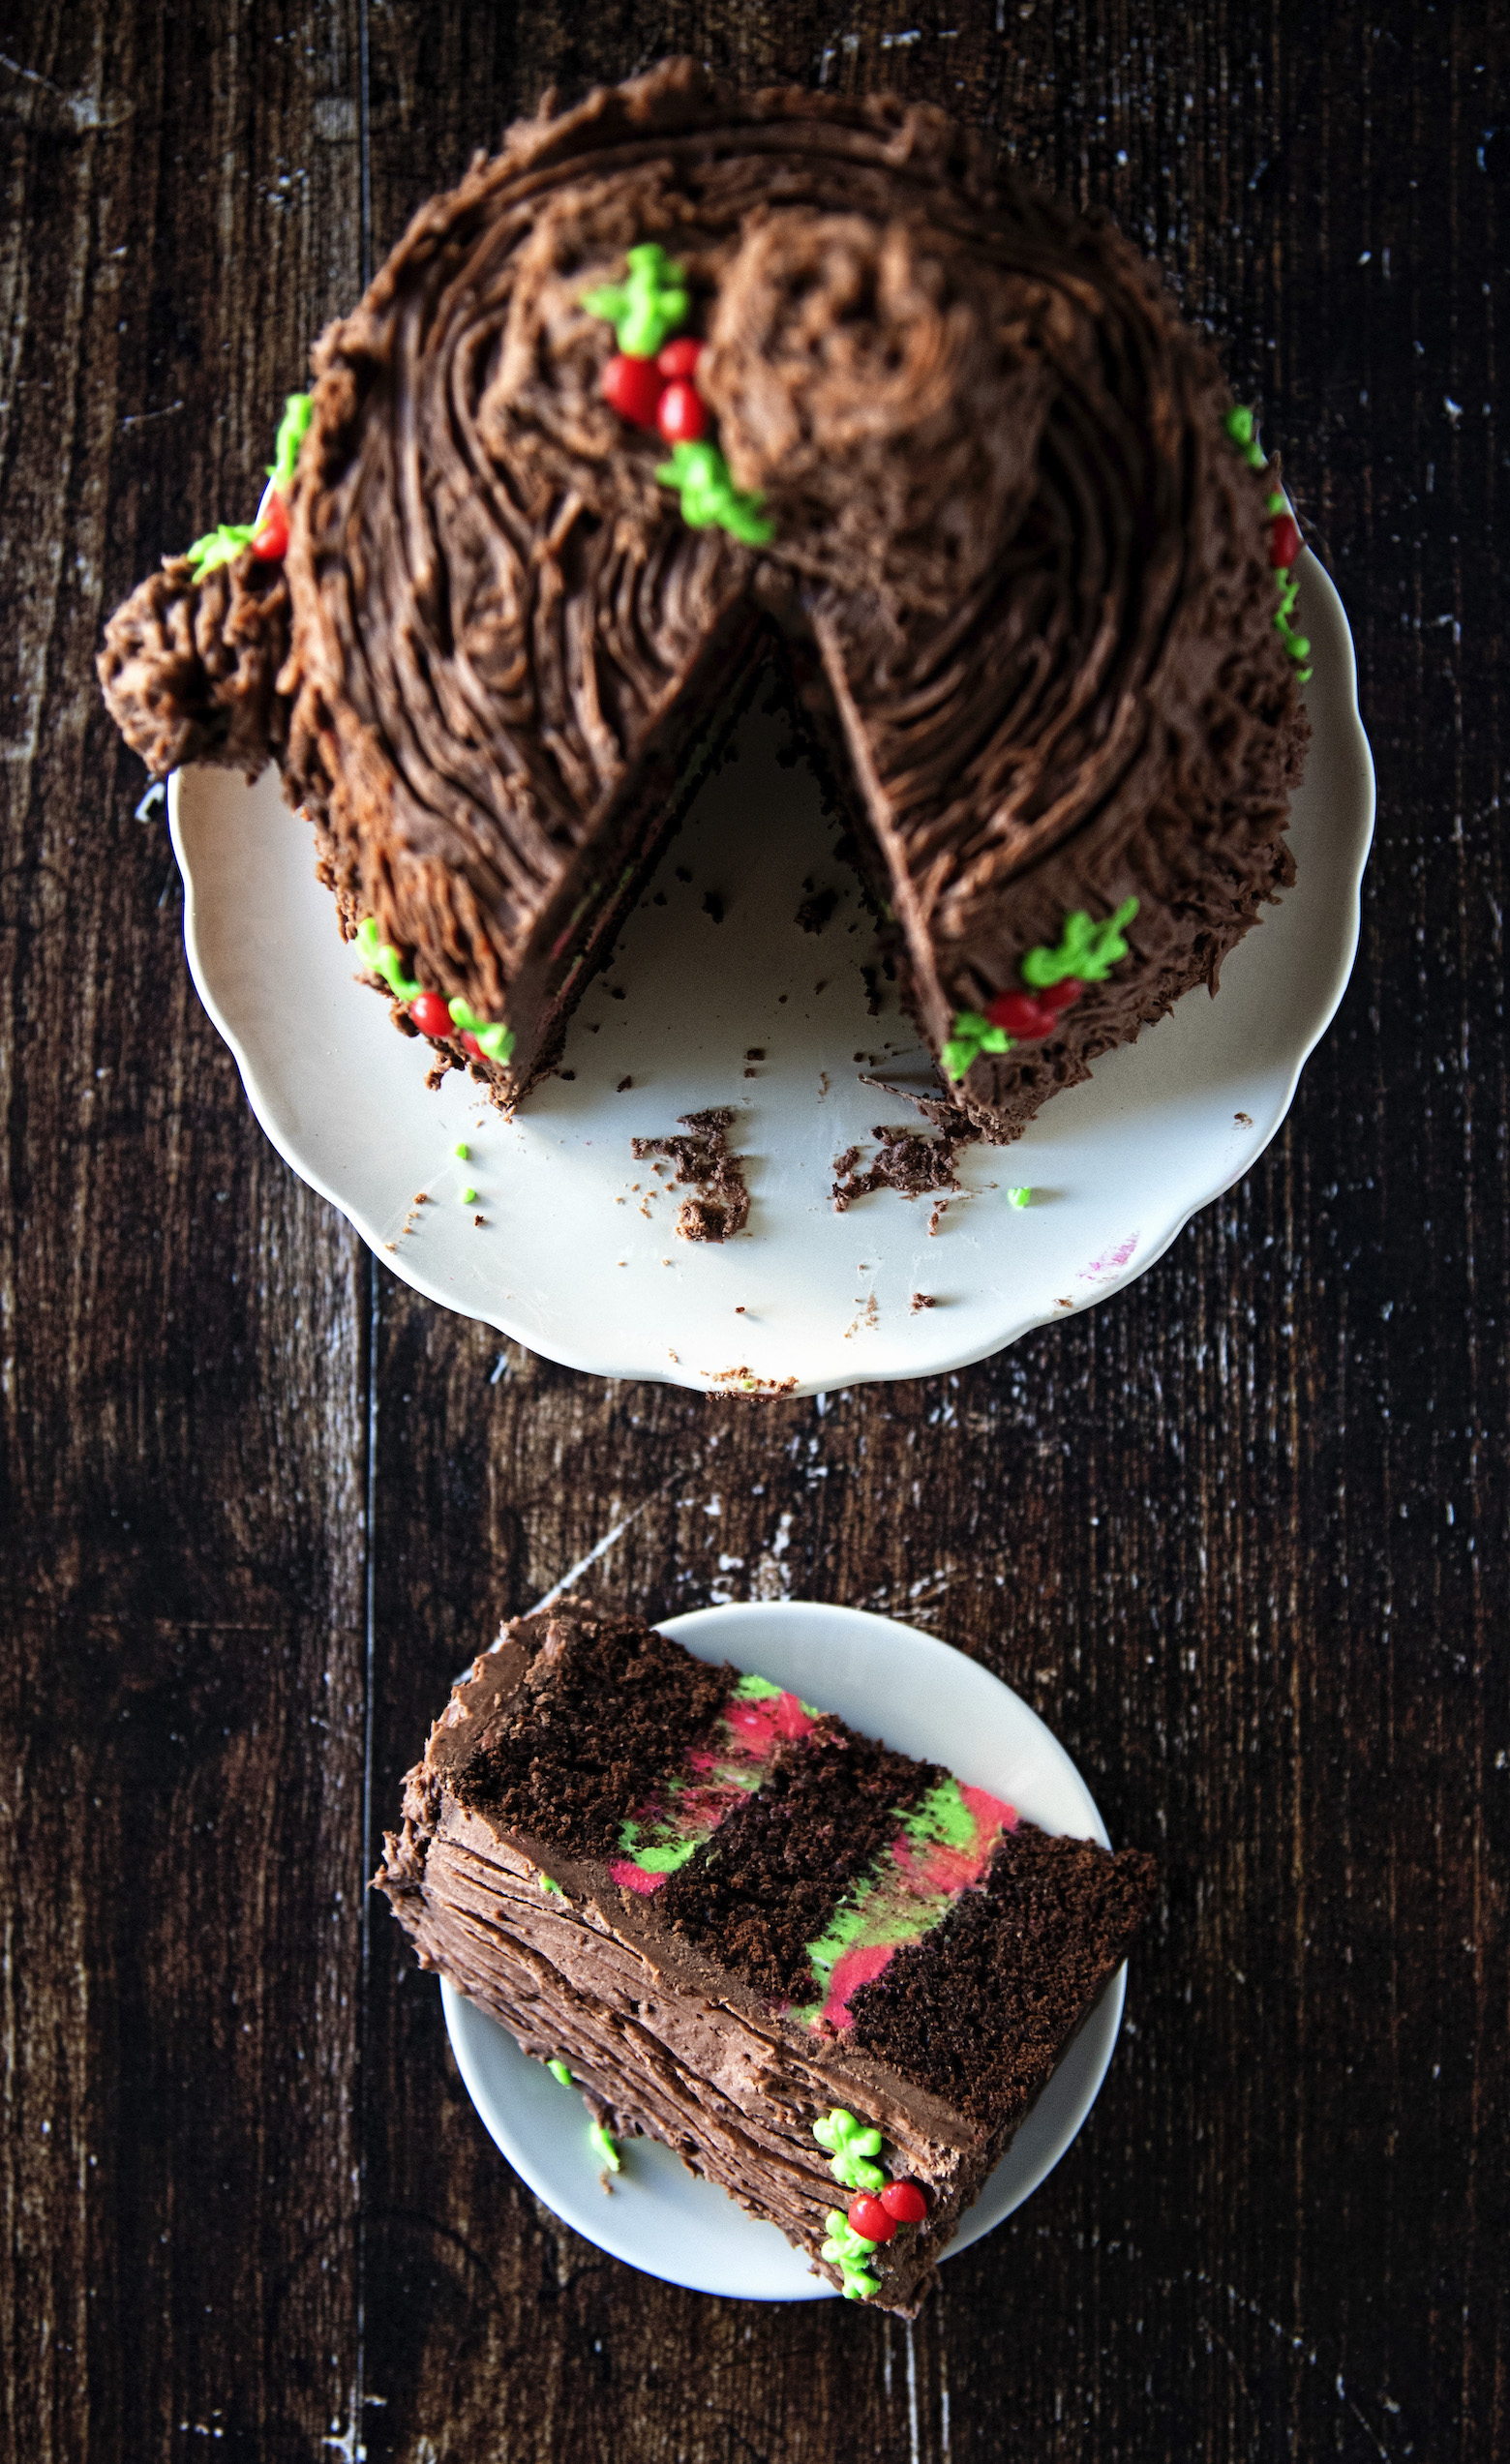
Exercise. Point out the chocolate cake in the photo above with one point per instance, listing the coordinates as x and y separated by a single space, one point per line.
832 1977
687 380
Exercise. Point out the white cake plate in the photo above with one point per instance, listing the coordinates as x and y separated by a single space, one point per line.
930 1700
576 1256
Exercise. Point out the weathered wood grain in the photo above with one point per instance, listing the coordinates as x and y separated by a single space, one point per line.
185 1390
1240 1534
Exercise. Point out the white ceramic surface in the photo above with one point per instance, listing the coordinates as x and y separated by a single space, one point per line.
576 1256
927 1699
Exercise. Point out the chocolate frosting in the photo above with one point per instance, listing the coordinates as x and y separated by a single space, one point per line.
1014 552
190 668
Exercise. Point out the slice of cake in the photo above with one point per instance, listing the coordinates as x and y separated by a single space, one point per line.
690 380
834 1979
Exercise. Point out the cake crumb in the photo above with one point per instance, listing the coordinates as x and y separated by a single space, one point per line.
1246 1118
814 911
623 1086
704 1163
713 906
907 1162
755 1052
921 1301
478 1219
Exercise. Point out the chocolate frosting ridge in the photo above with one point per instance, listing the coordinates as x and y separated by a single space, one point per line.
190 667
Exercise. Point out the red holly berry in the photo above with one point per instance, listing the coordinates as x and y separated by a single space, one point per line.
682 416
270 538
1060 996
904 2201
431 1014
680 358
869 2219
1283 542
634 387
1024 1015
470 1044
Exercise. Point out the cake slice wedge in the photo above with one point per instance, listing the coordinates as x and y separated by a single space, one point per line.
834 1978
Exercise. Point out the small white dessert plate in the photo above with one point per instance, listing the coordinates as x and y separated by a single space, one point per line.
575 1254
923 1696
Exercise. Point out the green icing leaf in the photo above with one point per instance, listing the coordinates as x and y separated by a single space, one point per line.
645 308
291 431
546 1884
849 2251
972 1036
851 2146
709 494
383 960
219 547
605 2145
1242 428
225 544
558 2070
1085 950
496 1039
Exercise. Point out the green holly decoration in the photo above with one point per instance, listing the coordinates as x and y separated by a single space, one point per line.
497 1041
1296 644
605 2145
298 409
1086 951
219 547
1242 427
972 1036
848 2251
558 2070
645 310
383 960
223 544
709 494
851 2147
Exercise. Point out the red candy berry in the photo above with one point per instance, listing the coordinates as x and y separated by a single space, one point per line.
904 2201
1024 1015
431 1014
469 1043
682 416
1283 542
1060 996
270 538
634 387
680 358
869 2219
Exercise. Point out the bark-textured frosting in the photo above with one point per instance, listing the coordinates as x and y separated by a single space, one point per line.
1018 558
190 667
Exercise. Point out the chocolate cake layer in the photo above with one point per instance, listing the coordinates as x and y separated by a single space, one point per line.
1020 568
733 1919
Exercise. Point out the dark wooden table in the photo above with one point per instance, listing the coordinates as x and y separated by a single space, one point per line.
1240 1533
